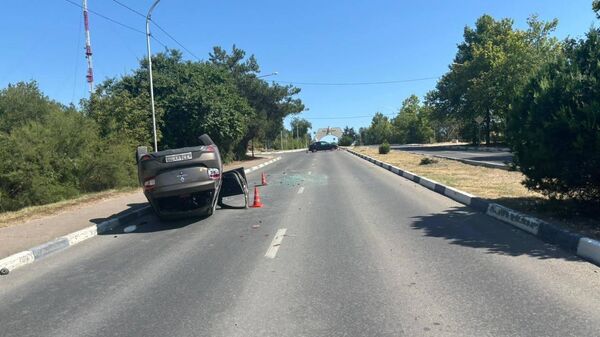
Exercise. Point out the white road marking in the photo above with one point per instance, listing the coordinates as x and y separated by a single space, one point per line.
301 190
129 229
309 172
276 243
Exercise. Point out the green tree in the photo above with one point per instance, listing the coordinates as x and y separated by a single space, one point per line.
411 124
192 98
124 113
380 130
22 103
57 158
300 127
349 136
555 127
270 103
491 66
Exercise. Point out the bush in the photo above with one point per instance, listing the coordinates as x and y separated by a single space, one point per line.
345 141
428 161
384 148
59 158
554 128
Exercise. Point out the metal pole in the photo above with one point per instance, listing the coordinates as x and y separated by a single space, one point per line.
150 72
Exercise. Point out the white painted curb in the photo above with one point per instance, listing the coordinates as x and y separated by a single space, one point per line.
254 168
589 249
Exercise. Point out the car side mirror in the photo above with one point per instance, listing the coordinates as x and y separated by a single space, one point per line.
234 190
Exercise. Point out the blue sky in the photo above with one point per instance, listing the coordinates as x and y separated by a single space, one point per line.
305 41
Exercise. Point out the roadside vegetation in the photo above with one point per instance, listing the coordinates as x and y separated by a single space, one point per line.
521 88
50 152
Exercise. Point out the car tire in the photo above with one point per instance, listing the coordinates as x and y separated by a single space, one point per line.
206 140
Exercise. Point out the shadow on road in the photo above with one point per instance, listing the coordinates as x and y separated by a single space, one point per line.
151 224
462 226
146 224
131 207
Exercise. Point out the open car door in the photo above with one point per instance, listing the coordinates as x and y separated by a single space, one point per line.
234 190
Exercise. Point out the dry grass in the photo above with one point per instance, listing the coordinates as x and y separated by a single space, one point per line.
33 212
484 182
502 187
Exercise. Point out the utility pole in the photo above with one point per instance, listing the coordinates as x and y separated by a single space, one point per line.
148 17
281 140
88 47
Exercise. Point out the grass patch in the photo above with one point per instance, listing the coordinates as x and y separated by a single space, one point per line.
500 186
32 212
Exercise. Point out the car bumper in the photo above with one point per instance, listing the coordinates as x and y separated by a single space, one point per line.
182 189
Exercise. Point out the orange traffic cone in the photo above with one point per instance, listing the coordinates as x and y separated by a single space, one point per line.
264 179
257 203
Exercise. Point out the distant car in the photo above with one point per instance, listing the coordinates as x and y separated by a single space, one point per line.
322 146
187 181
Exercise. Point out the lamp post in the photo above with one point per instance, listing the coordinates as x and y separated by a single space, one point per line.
148 17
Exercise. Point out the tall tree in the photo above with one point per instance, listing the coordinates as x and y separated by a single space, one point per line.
192 98
271 103
380 130
492 64
22 103
555 126
411 124
300 127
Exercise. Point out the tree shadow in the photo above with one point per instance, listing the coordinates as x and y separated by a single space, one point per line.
568 214
465 227
131 208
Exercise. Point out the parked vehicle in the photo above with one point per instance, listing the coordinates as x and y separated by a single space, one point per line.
322 146
188 181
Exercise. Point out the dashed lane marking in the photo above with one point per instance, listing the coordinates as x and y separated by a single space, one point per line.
276 243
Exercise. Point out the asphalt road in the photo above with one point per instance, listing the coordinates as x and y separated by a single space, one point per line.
365 253
500 157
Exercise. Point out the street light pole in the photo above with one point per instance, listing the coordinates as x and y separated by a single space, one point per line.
148 17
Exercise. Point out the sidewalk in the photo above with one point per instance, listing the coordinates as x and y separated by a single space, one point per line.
23 235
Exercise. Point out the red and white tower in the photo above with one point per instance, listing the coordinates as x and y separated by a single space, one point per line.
88 47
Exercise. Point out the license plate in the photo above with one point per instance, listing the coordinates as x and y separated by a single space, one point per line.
178 157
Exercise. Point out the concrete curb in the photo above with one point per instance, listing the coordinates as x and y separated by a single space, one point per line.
279 152
484 149
29 256
452 147
254 168
584 247
469 161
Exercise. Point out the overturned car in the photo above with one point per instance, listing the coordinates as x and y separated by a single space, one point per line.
189 181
